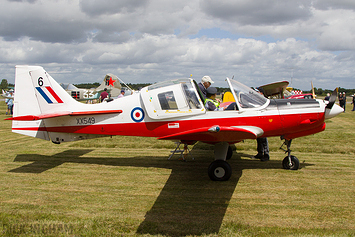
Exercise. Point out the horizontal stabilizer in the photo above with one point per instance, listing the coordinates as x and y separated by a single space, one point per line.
64 113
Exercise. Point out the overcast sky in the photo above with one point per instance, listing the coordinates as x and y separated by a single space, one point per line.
146 41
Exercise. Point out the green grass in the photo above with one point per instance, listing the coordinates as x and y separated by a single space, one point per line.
125 186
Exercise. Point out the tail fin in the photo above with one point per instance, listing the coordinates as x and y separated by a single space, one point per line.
36 93
110 81
112 84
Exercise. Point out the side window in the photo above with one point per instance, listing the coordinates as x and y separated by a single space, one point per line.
191 97
167 100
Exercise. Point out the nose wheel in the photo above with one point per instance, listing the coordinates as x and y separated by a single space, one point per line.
289 162
219 170
293 165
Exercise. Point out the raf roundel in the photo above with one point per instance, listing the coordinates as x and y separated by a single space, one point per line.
137 114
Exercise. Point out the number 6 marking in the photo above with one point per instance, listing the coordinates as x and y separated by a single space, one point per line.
40 81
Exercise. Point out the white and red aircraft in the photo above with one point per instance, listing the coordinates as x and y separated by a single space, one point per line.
110 82
171 110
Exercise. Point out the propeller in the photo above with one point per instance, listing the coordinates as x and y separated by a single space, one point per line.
313 94
332 99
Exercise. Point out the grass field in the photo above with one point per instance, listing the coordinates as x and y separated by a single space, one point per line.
125 186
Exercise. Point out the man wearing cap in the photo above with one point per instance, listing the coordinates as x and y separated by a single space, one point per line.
10 103
205 83
121 95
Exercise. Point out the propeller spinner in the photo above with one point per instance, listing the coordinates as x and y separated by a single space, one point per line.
331 110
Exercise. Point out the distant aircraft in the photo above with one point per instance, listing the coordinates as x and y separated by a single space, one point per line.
7 95
281 91
276 89
171 110
111 82
292 94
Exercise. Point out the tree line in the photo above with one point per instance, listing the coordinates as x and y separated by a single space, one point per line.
5 85
321 92
318 91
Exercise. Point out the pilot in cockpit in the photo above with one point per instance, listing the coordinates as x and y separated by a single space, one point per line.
211 103
214 104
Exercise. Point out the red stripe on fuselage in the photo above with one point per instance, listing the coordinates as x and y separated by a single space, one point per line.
273 125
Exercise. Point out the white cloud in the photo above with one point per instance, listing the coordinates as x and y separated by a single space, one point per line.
330 4
336 32
149 41
107 7
258 12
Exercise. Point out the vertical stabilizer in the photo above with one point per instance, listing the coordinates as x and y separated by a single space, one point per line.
36 93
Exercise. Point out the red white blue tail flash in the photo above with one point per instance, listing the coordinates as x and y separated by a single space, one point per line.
49 95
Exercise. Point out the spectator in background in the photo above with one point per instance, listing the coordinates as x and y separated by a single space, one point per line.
263 145
10 104
103 95
121 95
340 98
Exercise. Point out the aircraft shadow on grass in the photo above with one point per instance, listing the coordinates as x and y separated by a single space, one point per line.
197 207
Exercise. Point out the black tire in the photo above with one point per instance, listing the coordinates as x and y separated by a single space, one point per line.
229 153
219 170
295 163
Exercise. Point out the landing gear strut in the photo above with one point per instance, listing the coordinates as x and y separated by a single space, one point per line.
289 162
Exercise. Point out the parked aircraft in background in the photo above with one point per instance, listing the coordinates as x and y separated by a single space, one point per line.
7 94
293 94
281 91
111 82
171 110
276 89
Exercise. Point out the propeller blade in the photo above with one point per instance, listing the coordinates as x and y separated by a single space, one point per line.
332 99
313 94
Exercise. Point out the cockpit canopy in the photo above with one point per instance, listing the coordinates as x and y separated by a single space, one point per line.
173 98
182 97
246 97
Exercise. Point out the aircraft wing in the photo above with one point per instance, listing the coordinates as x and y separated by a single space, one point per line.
217 134
274 88
64 113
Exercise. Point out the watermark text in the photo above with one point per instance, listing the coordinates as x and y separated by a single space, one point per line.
50 229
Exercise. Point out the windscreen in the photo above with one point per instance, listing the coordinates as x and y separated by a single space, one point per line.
247 97
190 95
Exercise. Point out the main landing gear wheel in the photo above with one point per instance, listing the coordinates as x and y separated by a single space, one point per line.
219 170
294 165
